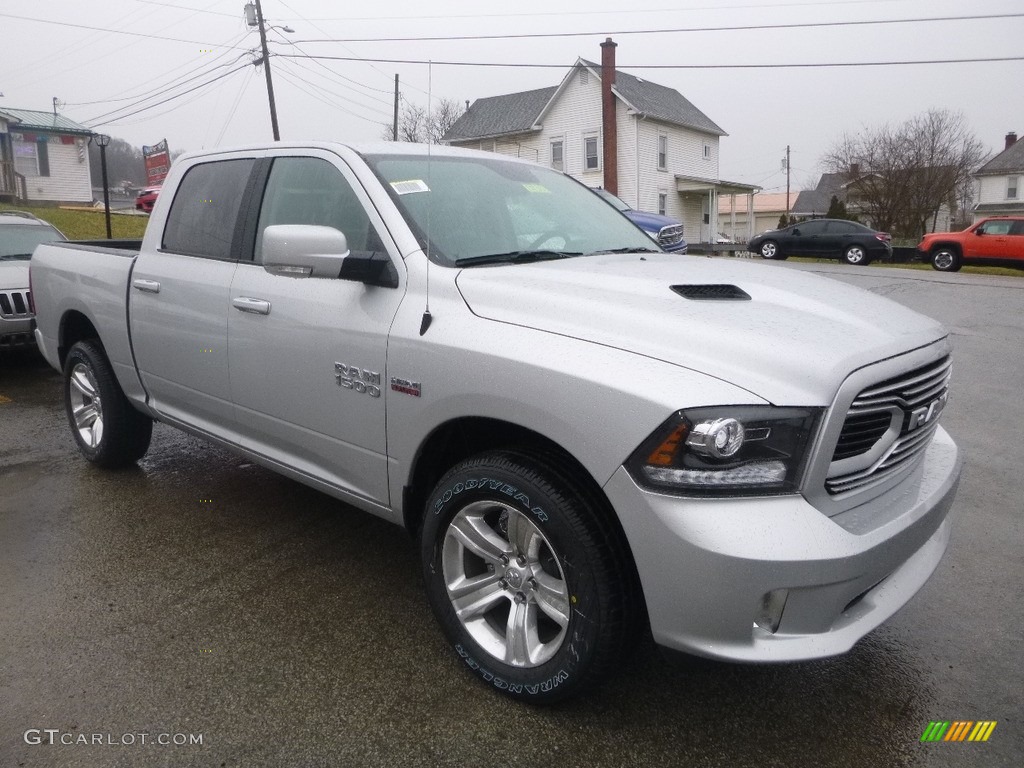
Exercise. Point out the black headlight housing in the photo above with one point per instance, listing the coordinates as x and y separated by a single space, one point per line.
741 450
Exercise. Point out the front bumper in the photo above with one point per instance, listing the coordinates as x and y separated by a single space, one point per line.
707 564
16 333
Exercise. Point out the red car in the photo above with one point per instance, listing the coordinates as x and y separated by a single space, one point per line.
146 199
996 241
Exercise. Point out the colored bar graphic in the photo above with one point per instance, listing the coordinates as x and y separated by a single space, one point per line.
958 730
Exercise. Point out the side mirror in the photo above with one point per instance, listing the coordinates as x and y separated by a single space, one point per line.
796 231
308 250
303 250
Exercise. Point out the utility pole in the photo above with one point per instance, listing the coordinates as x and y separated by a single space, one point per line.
266 70
787 182
394 124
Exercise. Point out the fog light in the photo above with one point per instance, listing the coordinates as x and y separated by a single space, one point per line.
769 615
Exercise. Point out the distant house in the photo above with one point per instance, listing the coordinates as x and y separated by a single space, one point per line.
639 140
767 210
815 203
44 158
999 182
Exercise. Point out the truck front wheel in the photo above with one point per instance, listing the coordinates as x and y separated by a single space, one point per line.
108 431
529 586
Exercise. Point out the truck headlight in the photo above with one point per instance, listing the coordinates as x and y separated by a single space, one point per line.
727 451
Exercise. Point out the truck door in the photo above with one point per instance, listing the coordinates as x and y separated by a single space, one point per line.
307 354
179 298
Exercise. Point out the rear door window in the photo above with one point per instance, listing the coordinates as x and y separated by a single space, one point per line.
203 217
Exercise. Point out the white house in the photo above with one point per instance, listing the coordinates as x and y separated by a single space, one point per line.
639 140
43 158
999 180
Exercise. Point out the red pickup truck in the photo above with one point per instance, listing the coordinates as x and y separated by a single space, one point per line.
998 241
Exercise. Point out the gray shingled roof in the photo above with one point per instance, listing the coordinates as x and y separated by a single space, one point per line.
500 115
515 113
811 201
1008 161
660 102
31 119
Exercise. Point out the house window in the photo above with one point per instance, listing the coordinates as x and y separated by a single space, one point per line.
31 158
707 151
662 204
662 152
1012 184
591 156
556 155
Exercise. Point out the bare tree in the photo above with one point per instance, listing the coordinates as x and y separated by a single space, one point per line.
901 176
416 125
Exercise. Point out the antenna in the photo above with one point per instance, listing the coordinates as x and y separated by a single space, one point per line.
427 317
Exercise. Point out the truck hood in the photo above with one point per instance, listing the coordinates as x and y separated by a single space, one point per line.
13 274
649 222
793 343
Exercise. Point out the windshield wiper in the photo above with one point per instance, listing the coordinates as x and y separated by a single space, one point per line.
16 256
629 250
514 257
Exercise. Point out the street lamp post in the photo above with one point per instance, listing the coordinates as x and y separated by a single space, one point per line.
103 140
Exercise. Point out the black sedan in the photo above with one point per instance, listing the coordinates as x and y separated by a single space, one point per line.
827 238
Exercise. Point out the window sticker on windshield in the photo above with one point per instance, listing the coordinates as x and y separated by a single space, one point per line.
410 186
539 189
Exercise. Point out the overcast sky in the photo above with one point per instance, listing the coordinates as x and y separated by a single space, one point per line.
78 52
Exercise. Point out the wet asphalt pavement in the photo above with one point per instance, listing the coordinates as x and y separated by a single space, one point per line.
198 595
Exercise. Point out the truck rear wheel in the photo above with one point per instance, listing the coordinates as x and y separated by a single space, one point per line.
108 430
529 586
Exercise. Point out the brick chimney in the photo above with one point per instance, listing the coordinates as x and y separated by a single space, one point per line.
608 126
1011 139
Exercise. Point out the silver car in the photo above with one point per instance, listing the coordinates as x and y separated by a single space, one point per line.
20 233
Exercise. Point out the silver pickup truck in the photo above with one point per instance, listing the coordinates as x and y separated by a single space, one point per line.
587 436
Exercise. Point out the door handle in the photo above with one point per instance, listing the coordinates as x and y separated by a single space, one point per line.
146 286
253 306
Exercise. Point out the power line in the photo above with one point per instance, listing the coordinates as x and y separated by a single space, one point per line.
738 28
93 124
376 110
145 94
522 65
112 31
285 75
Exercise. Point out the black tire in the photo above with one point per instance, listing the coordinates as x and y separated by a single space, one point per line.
542 621
109 432
770 250
946 259
856 255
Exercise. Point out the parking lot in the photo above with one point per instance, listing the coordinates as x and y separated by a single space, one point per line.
200 595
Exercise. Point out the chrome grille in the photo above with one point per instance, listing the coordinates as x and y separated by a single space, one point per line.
14 303
887 428
670 235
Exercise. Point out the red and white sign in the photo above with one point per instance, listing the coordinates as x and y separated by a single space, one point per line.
158 163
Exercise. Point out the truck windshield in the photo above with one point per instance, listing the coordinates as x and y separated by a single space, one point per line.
469 211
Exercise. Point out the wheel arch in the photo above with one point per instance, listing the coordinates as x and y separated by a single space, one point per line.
950 244
458 439
74 327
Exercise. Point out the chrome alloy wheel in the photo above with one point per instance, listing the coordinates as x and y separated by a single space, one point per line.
855 254
505 583
943 260
86 407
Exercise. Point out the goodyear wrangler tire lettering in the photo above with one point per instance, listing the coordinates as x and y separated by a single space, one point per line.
523 578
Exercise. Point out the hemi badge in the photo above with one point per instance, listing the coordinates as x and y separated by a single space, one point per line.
405 386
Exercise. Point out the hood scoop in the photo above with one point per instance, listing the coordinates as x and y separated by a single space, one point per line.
711 292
